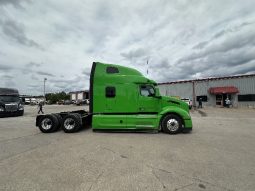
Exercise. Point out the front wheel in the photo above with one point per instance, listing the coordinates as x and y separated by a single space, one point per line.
171 124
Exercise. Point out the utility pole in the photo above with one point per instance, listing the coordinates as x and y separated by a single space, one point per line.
194 95
44 81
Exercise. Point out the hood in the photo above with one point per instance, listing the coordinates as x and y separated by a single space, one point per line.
171 101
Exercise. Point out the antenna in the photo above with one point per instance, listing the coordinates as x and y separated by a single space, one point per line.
147 66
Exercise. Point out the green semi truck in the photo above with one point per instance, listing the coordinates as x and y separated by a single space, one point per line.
122 99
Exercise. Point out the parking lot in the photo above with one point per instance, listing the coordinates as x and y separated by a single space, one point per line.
218 155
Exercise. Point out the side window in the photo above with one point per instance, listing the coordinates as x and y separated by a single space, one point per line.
147 90
110 92
144 91
112 70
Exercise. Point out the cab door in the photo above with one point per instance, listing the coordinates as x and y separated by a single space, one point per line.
147 103
148 106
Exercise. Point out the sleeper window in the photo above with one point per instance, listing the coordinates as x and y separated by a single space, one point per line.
110 92
112 70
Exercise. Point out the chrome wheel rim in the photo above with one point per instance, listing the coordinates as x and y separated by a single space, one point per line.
172 125
46 124
69 123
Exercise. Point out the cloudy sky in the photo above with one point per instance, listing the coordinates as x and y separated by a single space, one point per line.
182 39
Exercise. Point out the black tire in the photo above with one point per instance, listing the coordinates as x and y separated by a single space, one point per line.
21 113
60 119
171 124
48 123
71 123
80 120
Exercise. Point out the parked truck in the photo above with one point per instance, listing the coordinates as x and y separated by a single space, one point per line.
10 103
122 99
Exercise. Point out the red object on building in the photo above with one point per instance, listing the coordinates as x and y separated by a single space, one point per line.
223 90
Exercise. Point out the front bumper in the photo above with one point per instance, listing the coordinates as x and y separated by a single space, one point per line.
187 125
10 114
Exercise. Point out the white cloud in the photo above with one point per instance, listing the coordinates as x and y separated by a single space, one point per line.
181 39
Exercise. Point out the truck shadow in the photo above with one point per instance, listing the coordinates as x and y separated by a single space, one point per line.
85 128
124 131
134 132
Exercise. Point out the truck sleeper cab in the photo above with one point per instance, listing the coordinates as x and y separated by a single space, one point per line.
122 99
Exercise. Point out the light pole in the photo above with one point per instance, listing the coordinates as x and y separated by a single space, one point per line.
44 81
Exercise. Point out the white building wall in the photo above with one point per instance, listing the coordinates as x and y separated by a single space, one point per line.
80 96
73 96
183 90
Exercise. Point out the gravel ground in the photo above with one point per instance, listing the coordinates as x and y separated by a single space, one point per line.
218 155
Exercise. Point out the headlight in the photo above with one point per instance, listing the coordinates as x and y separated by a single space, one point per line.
1 108
21 107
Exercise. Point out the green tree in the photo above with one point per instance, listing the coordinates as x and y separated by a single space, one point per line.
53 98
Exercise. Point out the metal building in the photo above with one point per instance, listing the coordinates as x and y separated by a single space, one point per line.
214 91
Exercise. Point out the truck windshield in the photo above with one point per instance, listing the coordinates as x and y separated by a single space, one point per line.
9 98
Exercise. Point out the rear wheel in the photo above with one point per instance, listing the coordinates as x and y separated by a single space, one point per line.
171 124
58 116
71 123
80 120
48 123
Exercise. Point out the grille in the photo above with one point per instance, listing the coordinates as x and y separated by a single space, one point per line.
11 107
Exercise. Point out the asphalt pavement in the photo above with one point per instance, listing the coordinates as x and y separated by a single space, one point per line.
219 154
